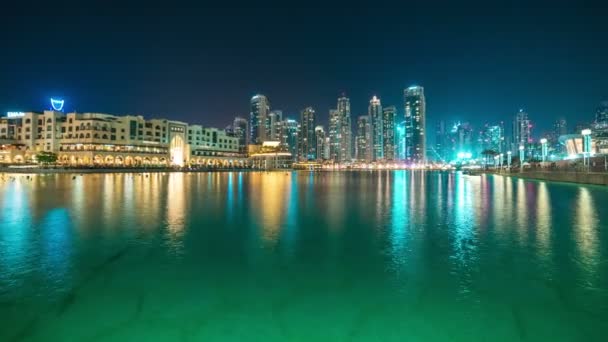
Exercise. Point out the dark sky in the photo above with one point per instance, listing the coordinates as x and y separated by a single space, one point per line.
478 61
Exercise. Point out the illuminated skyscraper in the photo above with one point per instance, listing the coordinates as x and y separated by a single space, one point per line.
274 119
289 130
345 135
307 140
334 135
522 131
364 139
601 115
322 149
259 119
415 124
240 129
389 133
375 115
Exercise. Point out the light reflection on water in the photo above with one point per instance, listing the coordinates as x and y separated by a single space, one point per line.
451 247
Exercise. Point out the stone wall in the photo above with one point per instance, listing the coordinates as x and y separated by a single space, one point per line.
596 178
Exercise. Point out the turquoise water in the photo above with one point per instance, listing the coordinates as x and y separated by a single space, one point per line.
392 256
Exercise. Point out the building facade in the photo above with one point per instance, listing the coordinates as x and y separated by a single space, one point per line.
345 131
374 111
307 140
259 123
105 140
415 124
364 146
389 133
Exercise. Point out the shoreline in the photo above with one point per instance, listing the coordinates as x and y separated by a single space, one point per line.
588 178
102 170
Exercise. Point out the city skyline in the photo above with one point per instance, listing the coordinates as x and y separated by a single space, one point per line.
164 63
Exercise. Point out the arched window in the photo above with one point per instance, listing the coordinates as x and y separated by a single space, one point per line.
49 120
88 135
28 120
105 136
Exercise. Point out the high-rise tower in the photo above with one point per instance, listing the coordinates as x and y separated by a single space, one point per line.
259 119
389 133
345 135
375 114
415 124
364 139
307 139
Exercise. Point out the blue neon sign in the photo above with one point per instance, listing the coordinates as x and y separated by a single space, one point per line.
57 104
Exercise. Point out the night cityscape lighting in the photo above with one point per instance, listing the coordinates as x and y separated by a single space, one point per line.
293 171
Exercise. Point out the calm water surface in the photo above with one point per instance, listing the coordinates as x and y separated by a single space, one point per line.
395 256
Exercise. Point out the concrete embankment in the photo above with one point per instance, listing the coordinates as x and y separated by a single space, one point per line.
595 178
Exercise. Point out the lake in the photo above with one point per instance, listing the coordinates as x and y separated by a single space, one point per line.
298 256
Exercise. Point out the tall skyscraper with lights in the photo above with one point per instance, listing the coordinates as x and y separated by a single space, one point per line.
320 137
240 128
415 124
374 111
334 135
364 147
259 119
307 139
274 119
389 133
346 133
522 131
289 129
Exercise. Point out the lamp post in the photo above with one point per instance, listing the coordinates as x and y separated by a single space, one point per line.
521 157
496 161
543 143
500 160
586 146
509 159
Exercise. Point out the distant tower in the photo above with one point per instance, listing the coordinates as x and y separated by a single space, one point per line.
320 138
415 124
274 119
522 131
307 139
240 127
345 154
389 132
364 139
259 119
334 135
375 114
289 131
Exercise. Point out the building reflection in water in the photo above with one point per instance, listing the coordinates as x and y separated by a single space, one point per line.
56 231
543 222
270 192
465 240
586 230
177 210
399 222
522 212
15 230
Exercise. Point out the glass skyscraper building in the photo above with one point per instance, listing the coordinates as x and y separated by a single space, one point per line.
415 124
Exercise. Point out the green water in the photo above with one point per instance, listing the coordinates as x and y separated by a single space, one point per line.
394 256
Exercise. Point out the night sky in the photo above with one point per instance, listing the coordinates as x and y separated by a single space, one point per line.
478 61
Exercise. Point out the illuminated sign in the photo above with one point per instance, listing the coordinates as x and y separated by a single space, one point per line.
57 104
15 114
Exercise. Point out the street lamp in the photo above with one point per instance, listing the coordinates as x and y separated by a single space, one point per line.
586 145
543 143
500 161
495 161
521 156
509 159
